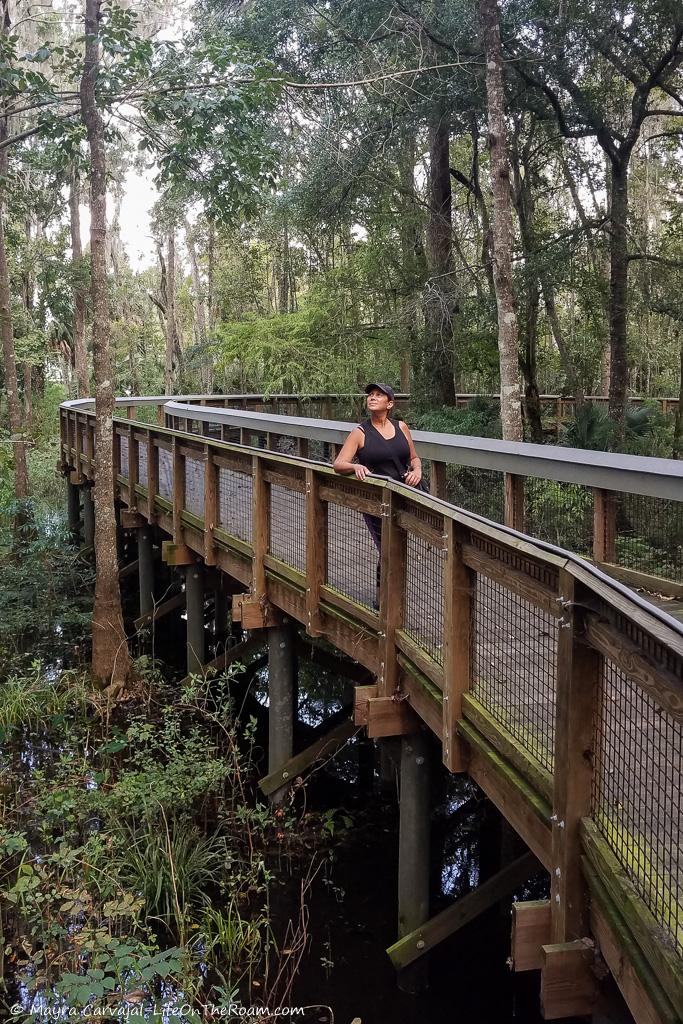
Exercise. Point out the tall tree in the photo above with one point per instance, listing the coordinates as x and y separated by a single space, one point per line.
78 288
110 659
14 405
510 392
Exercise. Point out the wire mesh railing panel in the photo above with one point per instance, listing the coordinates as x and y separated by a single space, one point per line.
143 472
235 497
194 486
637 798
352 555
514 666
321 451
123 449
478 490
649 535
559 513
288 526
423 596
165 473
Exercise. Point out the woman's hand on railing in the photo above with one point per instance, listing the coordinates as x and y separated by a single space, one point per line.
413 477
361 472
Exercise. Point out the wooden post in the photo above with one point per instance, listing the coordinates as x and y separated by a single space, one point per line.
161 415
514 501
604 525
437 479
152 476
88 517
316 551
178 491
194 597
578 679
260 528
413 850
73 511
77 447
302 447
458 583
132 468
145 570
210 506
391 592
281 700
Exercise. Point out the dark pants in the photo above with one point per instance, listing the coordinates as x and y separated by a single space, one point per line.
374 525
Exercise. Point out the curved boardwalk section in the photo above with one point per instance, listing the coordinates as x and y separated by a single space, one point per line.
555 687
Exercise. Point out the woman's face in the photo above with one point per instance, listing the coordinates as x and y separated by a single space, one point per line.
378 401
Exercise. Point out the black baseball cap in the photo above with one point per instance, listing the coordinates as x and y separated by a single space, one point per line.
389 392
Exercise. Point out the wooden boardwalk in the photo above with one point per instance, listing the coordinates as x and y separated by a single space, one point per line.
559 692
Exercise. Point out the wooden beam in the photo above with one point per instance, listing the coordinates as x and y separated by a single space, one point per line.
260 530
227 658
160 610
657 680
210 506
324 747
663 961
530 931
411 947
514 501
316 551
437 479
458 587
128 570
638 985
391 594
604 525
254 613
361 697
390 717
177 554
568 983
579 672
131 519
532 590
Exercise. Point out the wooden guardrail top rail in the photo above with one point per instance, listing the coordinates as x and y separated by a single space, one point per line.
634 473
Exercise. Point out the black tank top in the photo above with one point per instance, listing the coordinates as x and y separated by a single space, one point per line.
384 456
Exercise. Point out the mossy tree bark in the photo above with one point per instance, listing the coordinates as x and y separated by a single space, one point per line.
510 390
110 659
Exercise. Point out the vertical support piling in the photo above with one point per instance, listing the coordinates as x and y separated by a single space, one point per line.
281 698
73 511
194 597
88 517
413 851
145 570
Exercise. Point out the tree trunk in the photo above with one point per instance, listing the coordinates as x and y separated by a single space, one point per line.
110 660
510 397
199 310
618 379
16 424
570 371
170 314
436 371
283 280
80 352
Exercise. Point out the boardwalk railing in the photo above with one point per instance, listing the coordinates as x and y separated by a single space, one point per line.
555 687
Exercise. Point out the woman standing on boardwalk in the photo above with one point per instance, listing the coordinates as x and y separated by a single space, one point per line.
383 447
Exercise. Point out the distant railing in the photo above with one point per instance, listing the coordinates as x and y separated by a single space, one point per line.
559 690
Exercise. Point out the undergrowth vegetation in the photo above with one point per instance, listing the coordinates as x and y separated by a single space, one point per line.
134 851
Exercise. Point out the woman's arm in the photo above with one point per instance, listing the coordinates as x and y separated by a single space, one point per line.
343 463
414 474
